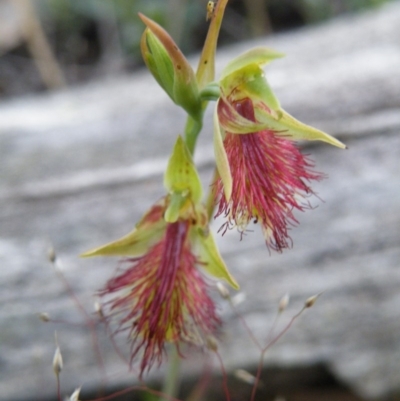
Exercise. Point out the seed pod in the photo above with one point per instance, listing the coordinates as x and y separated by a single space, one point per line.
245 376
311 301
212 343
223 291
283 303
44 317
57 362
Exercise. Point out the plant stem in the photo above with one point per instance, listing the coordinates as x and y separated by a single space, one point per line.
172 377
192 130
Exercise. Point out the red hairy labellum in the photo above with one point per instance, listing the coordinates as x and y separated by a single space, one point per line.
270 181
162 297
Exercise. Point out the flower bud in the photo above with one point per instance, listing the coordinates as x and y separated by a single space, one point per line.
158 61
161 53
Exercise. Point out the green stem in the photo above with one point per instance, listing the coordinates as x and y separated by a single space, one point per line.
172 377
192 130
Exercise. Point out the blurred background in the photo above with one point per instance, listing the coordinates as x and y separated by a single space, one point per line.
52 43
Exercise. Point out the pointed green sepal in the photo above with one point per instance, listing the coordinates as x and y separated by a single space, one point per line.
206 68
147 232
158 61
258 56
287 126
185 92
181 176
221 159
211 259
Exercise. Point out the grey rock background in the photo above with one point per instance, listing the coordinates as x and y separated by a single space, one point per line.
79 167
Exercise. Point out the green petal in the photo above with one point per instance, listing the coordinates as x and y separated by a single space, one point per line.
221 159
234 85
213 262
289 127
249 82
258 56
181 176
259 89
147 232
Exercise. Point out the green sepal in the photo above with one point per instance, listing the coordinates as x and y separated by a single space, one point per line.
290 128
258 56
277 120
147 232
221 158
211 259
158 61
181 176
